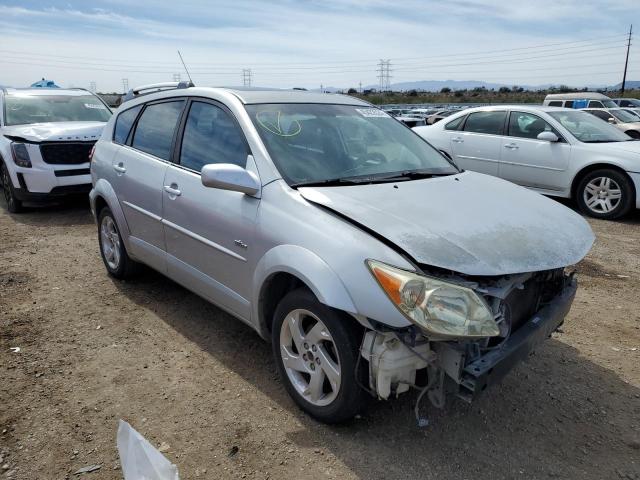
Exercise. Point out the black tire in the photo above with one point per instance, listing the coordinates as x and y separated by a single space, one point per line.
125 266
346 334
13 204
633 133
626 188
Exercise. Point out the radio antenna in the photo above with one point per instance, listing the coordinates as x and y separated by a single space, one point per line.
185 67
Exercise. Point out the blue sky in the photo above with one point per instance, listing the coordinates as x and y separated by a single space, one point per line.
290 43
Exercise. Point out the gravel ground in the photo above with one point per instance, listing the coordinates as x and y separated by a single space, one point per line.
190 377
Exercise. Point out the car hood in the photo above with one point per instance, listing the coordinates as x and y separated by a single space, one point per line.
55 132
468 223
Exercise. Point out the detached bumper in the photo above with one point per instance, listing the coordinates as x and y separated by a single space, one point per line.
477 375
69 187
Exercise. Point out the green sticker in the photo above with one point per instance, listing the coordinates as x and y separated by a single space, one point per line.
276 127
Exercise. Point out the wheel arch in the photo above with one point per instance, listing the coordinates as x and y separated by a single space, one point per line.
599 166
287 267
103 195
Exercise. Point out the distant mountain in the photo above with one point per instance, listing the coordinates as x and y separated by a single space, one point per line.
629 85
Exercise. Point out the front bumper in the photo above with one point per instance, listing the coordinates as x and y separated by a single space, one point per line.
475 376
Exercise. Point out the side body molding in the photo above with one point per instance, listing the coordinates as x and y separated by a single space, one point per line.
308 267
103 189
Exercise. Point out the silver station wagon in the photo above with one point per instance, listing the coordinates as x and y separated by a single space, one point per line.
370 261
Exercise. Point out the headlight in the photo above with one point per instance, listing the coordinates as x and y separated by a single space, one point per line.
20 155
438 307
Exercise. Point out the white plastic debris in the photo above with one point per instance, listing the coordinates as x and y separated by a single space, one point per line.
139 459
15 349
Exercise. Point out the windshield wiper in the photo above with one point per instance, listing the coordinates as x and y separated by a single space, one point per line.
331 182
603 141
411 175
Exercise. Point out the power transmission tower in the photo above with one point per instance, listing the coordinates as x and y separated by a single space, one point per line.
384 74
626 62
125 85
92 86
176 77
246 77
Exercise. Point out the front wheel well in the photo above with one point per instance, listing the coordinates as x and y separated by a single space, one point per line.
274 288
100 204
597 166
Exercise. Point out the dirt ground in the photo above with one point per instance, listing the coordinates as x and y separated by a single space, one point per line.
94 350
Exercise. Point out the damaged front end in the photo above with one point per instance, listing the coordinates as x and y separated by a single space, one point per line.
525 308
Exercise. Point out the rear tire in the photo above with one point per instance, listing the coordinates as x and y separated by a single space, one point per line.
114 255
320 347
13 204
606 193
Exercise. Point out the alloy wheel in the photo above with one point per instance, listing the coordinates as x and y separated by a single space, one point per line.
602 195
310 357
110 240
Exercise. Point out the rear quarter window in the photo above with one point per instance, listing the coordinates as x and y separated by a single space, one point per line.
455 124
124 122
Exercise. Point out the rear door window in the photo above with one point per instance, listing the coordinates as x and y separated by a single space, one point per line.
555 103
490 123
124 122
155 129
595 104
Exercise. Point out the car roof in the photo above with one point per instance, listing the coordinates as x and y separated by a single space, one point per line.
577 95
254 96
46 91
518 106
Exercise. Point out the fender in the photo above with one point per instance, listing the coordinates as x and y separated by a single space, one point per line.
308 267
103 189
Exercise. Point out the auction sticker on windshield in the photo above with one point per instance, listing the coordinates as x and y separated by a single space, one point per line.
371 112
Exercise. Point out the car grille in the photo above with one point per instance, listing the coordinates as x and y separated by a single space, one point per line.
66 153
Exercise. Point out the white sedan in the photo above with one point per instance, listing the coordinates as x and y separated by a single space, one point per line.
555 151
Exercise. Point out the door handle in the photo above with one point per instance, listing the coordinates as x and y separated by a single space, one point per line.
119 168
457 140
511 146
172 190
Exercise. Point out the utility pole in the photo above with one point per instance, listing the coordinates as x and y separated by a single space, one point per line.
360 85
321 89
92 86
125 85
626 62
176 77
246 77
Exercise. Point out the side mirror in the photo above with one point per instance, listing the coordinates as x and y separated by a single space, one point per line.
548 136
227 176
611 120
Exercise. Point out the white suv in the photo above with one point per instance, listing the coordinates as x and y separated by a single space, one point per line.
46 136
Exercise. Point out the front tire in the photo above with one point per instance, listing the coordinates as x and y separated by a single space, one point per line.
607 194
13 204
316 349
114 255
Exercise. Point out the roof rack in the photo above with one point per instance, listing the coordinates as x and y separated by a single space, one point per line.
155 87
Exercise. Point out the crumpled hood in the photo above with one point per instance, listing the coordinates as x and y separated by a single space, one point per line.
469 223
56 132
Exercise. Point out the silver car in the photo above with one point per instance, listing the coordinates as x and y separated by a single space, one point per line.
370 261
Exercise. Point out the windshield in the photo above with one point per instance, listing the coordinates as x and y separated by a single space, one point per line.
587 128
312 143
25 109
609 103
624 116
